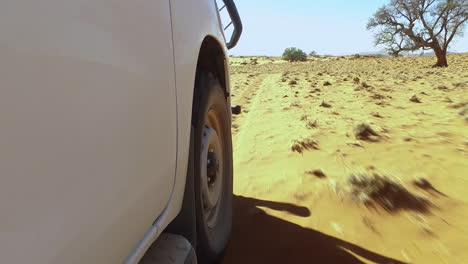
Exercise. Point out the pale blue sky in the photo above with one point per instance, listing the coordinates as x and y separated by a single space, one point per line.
335 27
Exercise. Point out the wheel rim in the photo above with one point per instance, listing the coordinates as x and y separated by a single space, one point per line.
211 169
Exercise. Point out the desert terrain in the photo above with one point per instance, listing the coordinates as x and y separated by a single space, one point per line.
353 159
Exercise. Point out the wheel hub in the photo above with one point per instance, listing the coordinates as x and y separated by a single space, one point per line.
212 167
211 176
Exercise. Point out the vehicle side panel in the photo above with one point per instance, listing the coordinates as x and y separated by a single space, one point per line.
88 127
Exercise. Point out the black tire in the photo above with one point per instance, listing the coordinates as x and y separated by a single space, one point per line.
210 103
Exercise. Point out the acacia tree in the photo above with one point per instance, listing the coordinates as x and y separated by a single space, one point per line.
411 25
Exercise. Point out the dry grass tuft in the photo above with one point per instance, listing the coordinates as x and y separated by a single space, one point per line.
304 144
382 191
317 173
312 124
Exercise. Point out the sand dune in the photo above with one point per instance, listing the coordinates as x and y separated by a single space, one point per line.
307 127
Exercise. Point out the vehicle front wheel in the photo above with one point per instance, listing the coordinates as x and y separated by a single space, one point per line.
212 169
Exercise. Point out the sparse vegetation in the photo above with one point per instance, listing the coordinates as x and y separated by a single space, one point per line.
403 150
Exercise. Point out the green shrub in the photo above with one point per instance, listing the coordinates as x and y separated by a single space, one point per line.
294 54
313 54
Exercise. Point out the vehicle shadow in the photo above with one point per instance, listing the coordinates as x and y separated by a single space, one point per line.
261 238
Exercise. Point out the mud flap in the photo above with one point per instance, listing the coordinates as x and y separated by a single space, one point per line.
170 249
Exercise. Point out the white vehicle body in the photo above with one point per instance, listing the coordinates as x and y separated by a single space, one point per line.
95 110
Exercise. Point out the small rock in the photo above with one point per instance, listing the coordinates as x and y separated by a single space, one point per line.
327 83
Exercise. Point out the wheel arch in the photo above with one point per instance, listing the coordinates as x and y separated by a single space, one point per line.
212 59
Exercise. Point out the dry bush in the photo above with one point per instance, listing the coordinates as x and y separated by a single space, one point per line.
295 104
415 99
365 85
442 88
464 113
460 84
364 131
325 104
459 105
382 191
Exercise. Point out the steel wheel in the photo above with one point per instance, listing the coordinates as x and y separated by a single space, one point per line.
212 169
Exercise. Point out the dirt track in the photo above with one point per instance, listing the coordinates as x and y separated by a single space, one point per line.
293 207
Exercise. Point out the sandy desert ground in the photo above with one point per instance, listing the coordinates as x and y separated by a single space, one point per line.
306 127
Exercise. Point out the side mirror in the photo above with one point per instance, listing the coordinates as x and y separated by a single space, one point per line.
235 22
